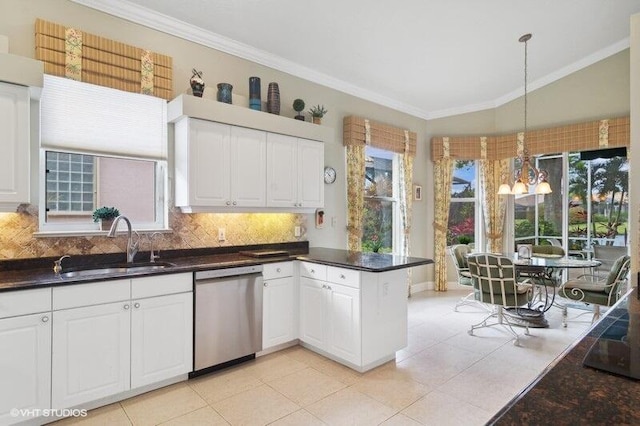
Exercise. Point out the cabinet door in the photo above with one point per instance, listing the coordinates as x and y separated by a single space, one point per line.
161 338
25 364
91 353
14 146
310 173
343 322
209 168
282 171
278 312
312 312
248 167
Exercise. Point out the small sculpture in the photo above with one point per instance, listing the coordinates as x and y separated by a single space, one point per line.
298 106
197 83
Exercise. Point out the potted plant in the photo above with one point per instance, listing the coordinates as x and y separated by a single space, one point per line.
106 216
317 112
298 106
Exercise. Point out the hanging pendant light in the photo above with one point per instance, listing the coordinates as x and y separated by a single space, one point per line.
528 174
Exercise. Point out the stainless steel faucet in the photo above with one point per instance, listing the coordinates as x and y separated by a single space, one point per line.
57 264
132 248
153 255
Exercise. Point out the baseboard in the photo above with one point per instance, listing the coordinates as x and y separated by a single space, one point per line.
430 285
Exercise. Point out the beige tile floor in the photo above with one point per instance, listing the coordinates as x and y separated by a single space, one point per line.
443 377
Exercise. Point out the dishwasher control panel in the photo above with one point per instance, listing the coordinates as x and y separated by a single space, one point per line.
228 272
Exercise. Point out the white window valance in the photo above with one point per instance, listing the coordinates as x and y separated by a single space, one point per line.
76 116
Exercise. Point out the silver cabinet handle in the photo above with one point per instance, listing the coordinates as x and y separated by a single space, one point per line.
328 287
278 270
266 284
136 305
45 319
228 203
126 306
234 203
312 271
342 276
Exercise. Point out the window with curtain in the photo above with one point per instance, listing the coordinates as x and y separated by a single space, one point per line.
100 147
463 210
380 218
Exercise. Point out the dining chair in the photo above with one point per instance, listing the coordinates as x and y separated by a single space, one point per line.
593 290
607 255
459 253
495 283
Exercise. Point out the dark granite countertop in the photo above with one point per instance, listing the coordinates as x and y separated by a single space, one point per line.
567 393
369 262
38 273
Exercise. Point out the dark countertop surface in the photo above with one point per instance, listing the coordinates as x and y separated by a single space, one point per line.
568 393
38 273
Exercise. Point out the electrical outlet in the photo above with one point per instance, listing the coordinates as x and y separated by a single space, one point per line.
221 234
296 231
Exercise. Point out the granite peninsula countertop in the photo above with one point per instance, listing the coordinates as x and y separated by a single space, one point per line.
37 273
567 393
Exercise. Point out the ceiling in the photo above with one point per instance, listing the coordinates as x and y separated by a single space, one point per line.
428 58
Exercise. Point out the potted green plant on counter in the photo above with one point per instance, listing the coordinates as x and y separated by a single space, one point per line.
106 216
317 112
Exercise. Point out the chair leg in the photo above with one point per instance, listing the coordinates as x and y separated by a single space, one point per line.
564 315
596 313
469 299
500 320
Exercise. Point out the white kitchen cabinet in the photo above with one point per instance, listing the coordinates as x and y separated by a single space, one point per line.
25 364
109 337
91 353
279 304
161 338
355 317
330 315
294 172
14 146
219 166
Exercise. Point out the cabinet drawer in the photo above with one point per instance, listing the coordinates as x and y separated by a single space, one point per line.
73 296
313 270
348 277
160 285
23 302
271 271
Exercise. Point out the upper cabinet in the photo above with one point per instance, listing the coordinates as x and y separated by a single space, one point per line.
20 81
229 158
14 146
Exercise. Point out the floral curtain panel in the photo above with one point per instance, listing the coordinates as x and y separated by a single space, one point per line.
443 176
406 197
355 195
494 206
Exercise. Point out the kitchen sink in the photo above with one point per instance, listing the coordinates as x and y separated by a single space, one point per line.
117 269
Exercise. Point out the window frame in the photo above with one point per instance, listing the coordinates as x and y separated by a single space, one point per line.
93 228
478 237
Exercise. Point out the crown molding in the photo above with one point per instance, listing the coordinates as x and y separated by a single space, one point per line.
160 22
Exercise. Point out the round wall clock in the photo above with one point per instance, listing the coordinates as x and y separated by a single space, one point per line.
329 175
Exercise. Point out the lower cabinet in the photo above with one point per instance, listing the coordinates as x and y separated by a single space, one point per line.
25 364
108 348
330 318
279 304
355 317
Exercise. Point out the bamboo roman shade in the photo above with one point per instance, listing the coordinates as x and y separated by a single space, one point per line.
594 135
71 53
357 130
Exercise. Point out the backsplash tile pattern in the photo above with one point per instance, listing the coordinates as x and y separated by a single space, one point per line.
189 231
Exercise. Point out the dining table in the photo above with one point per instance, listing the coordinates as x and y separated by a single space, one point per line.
544 273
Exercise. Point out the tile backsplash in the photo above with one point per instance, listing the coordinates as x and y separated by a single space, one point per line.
196 230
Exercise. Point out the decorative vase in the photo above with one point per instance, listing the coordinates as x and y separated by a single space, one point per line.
254 94
197 83
224 93
273 99
105 224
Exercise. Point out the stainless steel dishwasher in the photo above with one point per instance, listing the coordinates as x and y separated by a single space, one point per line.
228 316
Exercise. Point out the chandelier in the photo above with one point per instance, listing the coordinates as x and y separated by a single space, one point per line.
528 174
